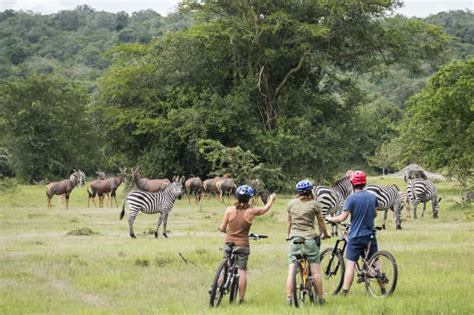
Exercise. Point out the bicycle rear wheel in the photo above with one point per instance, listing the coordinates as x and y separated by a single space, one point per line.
298 286
234 287
217 288
332 270
381 275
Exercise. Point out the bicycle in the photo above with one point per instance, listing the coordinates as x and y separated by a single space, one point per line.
303 281
226 279
379 272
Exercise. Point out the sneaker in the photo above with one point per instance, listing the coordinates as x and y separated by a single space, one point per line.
383 291
289 300
321 301
241 302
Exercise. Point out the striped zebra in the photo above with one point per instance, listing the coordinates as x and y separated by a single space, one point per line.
153 202
414 173
420 190
332 198
388 197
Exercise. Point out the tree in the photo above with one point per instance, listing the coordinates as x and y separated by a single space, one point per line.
438 126
47 130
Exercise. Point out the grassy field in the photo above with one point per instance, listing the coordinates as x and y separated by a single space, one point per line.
45 268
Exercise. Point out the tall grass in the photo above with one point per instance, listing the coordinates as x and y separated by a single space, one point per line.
47 269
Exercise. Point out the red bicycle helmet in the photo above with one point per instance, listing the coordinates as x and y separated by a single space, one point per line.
358 178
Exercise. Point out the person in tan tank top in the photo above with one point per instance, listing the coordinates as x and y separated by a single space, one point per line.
236 224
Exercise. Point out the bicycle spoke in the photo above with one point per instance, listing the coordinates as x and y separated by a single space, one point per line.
381 274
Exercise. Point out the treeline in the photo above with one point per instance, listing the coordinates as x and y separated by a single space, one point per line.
269 89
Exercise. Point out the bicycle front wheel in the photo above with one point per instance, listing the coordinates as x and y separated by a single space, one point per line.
217 288
298 285
381 274
332 270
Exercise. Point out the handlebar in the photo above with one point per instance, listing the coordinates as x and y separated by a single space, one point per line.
256 237
348 225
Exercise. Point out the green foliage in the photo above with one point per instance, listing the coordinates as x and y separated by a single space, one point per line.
46 125
438 129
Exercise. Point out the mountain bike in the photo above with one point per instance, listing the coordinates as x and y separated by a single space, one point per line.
304 287
379 272
226 280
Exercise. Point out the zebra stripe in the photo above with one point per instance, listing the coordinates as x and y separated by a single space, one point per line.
332 198
388 197
420 190
158 202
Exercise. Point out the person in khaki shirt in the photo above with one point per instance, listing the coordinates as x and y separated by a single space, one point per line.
303 211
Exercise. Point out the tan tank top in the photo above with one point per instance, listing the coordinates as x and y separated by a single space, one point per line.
238 230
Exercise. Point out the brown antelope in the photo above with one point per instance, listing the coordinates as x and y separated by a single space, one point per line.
103 186
64 187
149 185
209 186
225 186
193 185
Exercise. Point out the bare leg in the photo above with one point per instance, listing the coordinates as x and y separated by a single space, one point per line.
242 283
316 272
349 275
289 280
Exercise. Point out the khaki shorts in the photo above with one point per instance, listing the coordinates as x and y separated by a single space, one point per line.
242 255
309 247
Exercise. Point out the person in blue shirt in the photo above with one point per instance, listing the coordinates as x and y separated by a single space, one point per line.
362 206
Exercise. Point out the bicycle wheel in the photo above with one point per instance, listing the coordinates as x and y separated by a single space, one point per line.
217 288
381 274
311 288
298 287
234 287
332 271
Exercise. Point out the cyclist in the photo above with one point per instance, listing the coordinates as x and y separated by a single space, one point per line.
302 212
362 206
236 224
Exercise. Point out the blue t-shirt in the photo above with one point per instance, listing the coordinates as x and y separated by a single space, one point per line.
361 206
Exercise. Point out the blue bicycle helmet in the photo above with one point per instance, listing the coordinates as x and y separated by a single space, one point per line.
244 192
304 186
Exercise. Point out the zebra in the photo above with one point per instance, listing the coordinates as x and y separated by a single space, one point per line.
420 190
153 202
332 198
414 173
388 197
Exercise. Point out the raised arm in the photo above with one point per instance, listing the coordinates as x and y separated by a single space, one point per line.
260 211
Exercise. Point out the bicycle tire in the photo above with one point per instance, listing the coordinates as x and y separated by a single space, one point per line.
312 289
217 288
297 284
384 267
234 287
333 276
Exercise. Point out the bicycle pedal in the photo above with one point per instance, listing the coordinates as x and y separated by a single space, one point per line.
360 279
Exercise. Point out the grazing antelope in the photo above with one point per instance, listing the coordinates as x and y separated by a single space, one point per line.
158 202
103 186
209 186
64 187
225 186
193 185
149 185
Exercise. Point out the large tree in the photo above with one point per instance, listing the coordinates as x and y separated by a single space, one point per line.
438 126
46 128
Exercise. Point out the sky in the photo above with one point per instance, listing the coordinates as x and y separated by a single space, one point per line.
419 8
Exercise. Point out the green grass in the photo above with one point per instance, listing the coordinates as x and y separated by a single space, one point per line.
45 268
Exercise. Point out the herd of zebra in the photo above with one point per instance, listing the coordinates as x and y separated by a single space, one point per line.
159 195
419 190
